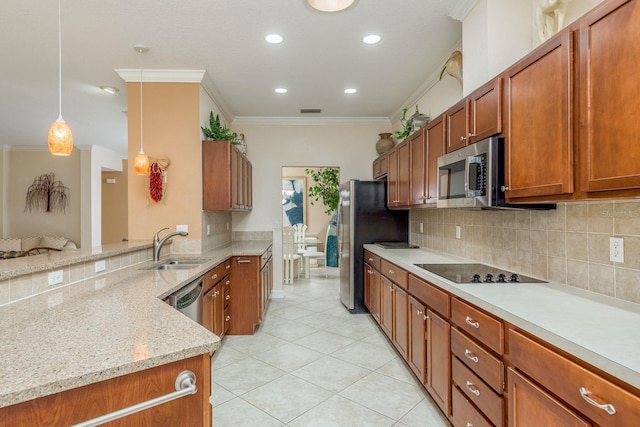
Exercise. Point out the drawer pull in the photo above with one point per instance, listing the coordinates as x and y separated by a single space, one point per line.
469 355
469 321
227 298
418 312
607 407
472 388
214 277
370 259
392 272
470 425
243 261
227 318
228 266
228 282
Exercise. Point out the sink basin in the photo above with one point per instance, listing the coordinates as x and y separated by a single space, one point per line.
177 264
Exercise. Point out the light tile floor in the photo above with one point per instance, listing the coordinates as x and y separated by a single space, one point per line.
312 363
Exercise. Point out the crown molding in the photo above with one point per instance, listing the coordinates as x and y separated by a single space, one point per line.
160 76
462 9
313 121
210 88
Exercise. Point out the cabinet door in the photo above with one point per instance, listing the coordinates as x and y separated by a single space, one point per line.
386 306
417 355
380 167
538 158
236 172
439 360
372 291
435 140
609 102
404 178
218 309
400 321
418 168
207 310
392 178
530 406
485 114
457 119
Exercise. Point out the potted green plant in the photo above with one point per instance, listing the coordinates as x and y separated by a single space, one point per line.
326 187
406 126
218 131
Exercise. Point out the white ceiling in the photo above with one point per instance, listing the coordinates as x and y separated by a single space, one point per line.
321 55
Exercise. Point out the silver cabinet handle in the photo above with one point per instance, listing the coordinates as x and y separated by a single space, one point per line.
214 277
469 321
462 138
228 297
503 188
370 259
227 318
392 272
470 425
469 355
243 261
425 317
472 388
418 312
227 282
471 135
391 289
607 407
228 266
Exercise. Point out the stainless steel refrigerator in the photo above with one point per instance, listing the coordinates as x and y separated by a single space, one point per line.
362 218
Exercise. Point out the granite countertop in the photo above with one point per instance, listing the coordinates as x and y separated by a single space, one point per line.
600 330
104 327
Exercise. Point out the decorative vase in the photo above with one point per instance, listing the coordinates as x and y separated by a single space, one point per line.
385 143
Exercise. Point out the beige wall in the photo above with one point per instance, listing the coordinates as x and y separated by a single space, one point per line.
317 221
115 206
569 245
23 167
172 130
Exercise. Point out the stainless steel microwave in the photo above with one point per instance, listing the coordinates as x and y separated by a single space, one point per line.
473 177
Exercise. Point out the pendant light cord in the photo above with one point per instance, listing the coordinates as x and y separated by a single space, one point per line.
59 63
141 144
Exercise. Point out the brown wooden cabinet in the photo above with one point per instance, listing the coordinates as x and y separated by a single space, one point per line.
398 177
609 107
380 167
216 298
94 400
372 291
435 139
539 140
439 361
249 292
418 168
531 406
226 178
417 353
386 306
392 177
457 125
400 321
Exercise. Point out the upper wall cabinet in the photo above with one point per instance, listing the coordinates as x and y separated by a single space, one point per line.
398 167
380 167
538 158
226 178
609 88
476 117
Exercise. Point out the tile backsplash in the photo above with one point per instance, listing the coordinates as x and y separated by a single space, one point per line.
219 223
569 245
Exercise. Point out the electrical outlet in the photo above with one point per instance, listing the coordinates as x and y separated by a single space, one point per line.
55 277
616 249
100 266
421 227
458 232
182 227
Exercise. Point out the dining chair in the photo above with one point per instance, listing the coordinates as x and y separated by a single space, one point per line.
290 255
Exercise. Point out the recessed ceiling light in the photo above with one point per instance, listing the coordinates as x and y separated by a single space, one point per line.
371 39
280 90
274 38
331 5
110 89
350 90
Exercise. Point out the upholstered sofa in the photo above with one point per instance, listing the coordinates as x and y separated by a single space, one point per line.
20 246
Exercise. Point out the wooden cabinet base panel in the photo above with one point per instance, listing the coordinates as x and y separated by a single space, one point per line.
94 400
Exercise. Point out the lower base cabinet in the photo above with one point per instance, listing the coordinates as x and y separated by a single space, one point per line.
95 400
463 413
438 361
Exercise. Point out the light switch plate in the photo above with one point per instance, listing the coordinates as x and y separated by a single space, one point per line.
616 249
182 227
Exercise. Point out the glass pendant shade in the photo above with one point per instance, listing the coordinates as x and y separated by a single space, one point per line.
60 138
331 5
141 164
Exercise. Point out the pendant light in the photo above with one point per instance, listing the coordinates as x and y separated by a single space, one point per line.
330 5
141 163
60 138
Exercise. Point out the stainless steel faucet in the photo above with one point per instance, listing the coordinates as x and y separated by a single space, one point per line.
158 244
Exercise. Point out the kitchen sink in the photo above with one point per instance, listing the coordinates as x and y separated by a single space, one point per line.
177 264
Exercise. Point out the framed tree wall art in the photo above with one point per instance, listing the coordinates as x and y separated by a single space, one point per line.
47 195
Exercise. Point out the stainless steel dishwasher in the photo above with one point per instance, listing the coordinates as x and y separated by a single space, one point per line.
188 300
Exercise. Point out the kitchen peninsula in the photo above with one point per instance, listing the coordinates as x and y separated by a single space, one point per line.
95 333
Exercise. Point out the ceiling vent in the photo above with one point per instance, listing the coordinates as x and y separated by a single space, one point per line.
310 110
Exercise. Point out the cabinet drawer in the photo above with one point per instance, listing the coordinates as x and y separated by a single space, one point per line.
372 259
464 413
435 298
480 361
394 273
544 366
483 327
216 274
491 405
227 291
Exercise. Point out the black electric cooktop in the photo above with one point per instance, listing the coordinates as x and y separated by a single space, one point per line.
477 273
